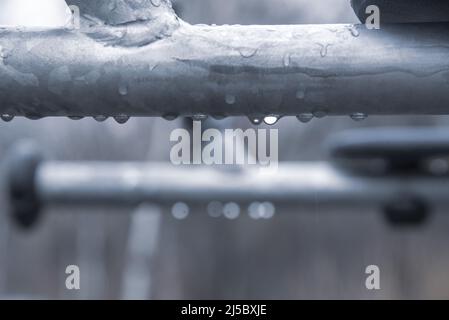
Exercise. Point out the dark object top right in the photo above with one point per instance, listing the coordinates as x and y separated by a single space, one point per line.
405 11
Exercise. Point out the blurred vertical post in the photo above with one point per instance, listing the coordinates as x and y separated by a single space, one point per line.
91 245
140 249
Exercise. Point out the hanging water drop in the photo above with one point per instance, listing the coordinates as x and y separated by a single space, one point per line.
271 120
7 117
100 118
305 117
34 117
170 116
75 117
121 119
358 116
319 114
255 120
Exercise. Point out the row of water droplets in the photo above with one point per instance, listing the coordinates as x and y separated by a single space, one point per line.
230 99
248 52
269 120
122 119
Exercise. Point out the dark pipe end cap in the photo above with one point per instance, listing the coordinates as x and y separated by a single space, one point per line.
22 164
407 210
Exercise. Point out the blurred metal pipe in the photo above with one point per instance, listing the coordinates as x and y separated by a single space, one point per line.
226 71
61 183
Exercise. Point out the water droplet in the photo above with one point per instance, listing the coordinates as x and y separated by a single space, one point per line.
319 114
123 89
199 117
255 120
247 52
156 3
121 119
358 116
231 210
7 117
305 117
100 118
230 99
119 33
180 210
151 67
324 49
75 117
170 116
33 117
2 53
287 59
354 31
271 120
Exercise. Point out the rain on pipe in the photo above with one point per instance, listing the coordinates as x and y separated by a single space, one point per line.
137 58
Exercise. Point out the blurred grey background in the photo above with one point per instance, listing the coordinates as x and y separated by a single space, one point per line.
148 254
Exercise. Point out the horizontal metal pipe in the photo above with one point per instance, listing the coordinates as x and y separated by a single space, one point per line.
226 71
303 183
